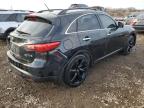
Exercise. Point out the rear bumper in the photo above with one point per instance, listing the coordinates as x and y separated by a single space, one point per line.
29 71
28 76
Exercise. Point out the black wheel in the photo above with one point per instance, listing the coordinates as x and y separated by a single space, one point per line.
130 44
76 70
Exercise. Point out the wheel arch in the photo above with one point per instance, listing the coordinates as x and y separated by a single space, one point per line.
134 35
83 51
9 30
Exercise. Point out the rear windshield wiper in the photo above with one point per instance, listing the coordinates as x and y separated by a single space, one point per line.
21 32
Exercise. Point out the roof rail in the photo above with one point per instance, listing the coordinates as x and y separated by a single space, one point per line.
16 10
78 6
100 8
50 10
65 10
23 10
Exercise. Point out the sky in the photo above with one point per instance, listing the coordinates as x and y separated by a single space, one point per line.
37 5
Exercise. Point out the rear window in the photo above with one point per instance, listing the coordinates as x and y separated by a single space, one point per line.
35 27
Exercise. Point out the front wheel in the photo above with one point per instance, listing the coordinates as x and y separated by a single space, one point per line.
130 44
76 70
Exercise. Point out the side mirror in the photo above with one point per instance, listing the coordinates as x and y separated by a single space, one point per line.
120 25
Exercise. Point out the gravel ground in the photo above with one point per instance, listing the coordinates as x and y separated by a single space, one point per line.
116 82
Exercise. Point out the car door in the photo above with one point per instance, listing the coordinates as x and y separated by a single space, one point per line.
115 35
91 36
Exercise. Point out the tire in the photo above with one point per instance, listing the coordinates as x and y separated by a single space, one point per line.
76 71
130 44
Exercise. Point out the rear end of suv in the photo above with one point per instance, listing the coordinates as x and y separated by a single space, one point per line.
32 50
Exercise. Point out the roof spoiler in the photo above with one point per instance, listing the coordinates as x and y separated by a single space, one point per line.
35 16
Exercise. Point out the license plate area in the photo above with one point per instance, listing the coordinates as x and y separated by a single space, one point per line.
14 49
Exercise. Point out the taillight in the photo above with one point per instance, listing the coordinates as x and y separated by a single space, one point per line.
133 22
42 47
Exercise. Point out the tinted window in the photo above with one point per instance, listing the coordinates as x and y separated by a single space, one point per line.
34 27
7 17
72 27
4 17
88 22
12 17
107 21
20 17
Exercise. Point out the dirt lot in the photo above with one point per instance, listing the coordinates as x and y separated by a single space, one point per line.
116 82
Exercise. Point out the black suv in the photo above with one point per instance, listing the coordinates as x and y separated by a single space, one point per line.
62 44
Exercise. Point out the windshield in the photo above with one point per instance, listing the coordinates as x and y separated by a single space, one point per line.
4 17
34 27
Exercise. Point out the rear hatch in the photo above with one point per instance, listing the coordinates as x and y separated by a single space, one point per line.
33 30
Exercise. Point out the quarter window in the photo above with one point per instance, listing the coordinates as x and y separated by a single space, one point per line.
72 27
107 21
88 22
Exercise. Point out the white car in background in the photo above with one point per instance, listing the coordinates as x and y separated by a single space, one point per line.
9 20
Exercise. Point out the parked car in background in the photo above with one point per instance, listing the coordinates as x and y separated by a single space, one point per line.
130 18
138 23
121 19
10 20
63 45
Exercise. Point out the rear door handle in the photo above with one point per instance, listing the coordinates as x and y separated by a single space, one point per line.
86 38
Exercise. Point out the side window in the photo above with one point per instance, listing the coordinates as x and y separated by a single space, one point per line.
107 21
72 28
88 22
12 17
20 17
